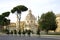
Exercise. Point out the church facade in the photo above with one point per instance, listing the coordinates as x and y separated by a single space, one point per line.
31 22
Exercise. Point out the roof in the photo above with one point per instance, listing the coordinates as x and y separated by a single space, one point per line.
57 15
30 16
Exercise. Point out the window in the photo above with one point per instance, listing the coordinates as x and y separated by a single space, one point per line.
31 21
27 21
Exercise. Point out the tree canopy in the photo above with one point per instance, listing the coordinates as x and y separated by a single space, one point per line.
48 21
19 9
5 14
4 21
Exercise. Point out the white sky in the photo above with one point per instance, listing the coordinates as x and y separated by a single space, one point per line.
38 7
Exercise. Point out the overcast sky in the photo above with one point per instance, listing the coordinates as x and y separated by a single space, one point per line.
38 7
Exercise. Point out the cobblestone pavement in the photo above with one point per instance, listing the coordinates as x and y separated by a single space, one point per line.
15 37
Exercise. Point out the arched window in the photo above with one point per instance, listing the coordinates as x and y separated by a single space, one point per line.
27 21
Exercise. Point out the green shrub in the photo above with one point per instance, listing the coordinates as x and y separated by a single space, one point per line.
54 33
29 32
19 32
6 31
15 32
11 32
23 33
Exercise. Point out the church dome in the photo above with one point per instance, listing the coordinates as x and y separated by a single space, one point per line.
30 16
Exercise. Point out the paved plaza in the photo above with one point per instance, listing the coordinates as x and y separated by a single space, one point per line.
42 37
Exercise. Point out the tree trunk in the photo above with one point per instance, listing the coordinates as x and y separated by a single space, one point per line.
46 31
19 20
19 23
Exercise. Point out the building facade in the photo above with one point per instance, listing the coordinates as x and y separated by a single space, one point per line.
30 23
58 22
